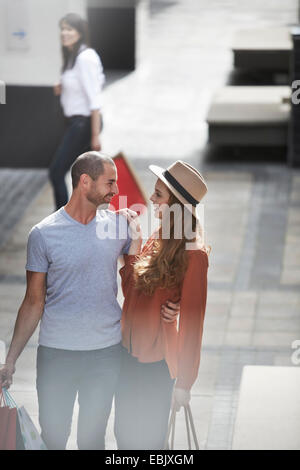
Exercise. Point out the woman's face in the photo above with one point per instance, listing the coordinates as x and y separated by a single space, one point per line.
160 196
69 35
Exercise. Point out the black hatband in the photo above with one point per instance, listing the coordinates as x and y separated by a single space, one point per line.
176 185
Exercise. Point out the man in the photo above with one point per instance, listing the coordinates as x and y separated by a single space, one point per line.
71 275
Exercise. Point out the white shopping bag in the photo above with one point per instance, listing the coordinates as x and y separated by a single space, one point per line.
32 439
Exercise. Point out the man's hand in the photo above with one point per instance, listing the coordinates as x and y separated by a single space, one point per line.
180 398
170 311
6 373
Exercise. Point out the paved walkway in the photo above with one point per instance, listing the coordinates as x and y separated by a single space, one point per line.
156 115
17 189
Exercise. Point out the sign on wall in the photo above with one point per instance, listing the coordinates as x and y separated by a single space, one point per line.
17 24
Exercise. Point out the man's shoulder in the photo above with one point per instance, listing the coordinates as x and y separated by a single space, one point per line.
117 217
113 215
51 220
112 222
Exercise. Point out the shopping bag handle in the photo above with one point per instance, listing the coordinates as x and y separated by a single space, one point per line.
2 397
192 425
171 430
189 427
8 399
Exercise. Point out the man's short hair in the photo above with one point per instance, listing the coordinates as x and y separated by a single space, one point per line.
91 163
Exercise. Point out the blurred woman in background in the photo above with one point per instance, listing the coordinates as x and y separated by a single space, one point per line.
80 90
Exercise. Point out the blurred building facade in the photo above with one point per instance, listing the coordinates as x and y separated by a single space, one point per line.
31 122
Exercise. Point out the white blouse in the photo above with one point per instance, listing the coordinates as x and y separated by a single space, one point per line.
82 85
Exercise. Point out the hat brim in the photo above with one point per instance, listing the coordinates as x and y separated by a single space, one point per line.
158 171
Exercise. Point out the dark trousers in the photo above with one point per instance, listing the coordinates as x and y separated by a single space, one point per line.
76 140
142 404
61 374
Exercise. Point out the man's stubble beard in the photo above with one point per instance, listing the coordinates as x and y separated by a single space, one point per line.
98 200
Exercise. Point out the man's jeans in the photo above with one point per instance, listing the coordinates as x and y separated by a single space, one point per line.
61 374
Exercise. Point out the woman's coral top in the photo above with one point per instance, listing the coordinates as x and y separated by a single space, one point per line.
148 337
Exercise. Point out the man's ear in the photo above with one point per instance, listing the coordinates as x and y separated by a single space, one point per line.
84 181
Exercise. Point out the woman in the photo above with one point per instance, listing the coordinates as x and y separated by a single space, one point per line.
156 352
80 88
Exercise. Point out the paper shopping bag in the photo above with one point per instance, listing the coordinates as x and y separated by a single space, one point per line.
8 421
4 413
11 430
131 192
31 437
190 427
19 437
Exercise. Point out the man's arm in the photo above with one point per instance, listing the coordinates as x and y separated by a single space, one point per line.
27 320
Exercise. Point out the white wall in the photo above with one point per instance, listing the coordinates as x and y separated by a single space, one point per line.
41 62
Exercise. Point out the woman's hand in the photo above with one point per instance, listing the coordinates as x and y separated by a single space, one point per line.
95 143
181 397
133 222
136 235
170 311
135 230
57 89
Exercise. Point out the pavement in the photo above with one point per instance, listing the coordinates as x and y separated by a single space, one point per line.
156 114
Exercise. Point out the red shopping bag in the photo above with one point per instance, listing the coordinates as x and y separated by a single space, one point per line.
131 191
4 413
11 430
8 424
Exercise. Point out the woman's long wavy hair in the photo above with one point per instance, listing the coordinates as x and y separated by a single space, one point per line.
75 21
166 265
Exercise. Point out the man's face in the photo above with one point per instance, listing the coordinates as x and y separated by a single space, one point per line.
105 187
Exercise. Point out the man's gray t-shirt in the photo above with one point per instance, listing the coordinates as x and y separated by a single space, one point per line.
81 310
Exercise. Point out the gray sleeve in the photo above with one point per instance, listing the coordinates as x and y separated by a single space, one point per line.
37 259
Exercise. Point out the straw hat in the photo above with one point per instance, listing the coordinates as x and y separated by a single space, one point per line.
184 181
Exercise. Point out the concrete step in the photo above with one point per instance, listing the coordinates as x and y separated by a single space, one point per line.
268 415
